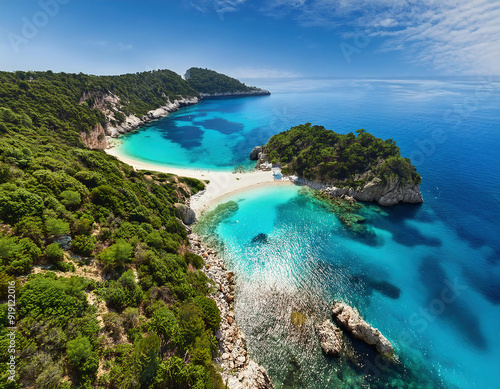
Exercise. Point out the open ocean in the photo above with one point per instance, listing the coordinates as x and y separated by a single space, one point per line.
427 276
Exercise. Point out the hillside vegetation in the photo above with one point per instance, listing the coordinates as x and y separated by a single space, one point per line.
350 160
210 82
107 293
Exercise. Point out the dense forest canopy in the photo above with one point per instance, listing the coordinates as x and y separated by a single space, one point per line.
108 294
210 82
318 154
75 101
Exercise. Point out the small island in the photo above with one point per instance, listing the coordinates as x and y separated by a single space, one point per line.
360 166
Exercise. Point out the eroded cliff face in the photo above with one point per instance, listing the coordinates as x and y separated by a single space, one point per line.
389 193
132 122
95 138
109 103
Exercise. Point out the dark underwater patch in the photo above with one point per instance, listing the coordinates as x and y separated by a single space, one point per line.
187 137
381 286
434 278
402 232
260 238
222 125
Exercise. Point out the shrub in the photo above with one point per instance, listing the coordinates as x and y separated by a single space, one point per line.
54 253
71 199
194 260
210 312
83 245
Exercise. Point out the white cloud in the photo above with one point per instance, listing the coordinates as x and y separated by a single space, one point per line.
453 36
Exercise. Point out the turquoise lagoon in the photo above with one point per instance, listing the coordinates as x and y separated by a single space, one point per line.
427 276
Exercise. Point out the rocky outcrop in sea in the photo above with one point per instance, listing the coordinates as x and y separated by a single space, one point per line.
239 371
330 338
349 319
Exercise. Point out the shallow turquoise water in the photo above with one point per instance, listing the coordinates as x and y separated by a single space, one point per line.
450 130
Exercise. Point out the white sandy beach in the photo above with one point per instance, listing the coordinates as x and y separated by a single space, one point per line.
222 184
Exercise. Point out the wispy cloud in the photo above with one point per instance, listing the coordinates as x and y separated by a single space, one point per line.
452 36
219 6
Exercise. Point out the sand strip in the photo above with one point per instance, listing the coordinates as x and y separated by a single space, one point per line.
222 183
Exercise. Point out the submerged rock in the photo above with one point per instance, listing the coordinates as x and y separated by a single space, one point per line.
350 319
260 238
330 338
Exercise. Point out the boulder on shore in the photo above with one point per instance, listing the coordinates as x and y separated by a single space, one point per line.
330 338
254 155
188 216
350 319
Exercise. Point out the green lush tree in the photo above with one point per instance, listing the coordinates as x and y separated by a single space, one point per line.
54 253
71 199
56 227
83 245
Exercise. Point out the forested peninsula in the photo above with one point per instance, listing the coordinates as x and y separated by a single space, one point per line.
357 165
212 84
107 291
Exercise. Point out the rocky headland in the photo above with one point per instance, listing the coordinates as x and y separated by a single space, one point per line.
239 371
362 168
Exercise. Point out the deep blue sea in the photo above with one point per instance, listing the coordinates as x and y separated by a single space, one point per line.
428 276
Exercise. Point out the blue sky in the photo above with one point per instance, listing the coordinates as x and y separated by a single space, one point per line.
251 38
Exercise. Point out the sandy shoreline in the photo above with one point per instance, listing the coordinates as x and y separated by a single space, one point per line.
222 183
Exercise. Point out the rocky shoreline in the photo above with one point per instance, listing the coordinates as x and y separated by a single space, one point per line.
239 371
257 92
132 122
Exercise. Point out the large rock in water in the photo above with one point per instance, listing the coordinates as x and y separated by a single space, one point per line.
187 214
330 338
254 155
351 321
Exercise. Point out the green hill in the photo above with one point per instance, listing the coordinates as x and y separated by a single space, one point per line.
121 294
209 82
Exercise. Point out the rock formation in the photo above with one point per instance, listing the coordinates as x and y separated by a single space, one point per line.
254 155
188 216
330 338
350 319
95 138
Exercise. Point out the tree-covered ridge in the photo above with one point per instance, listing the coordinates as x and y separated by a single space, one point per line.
121 305
210 82
318 154
76 100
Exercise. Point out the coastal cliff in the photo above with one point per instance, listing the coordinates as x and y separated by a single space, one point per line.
132 122
361 167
